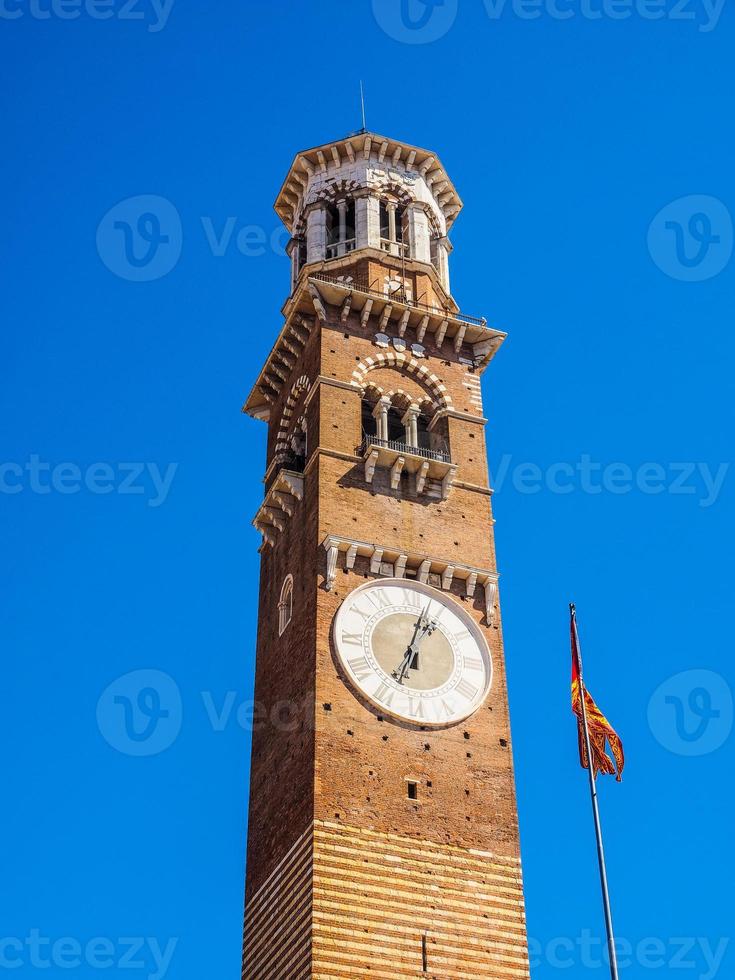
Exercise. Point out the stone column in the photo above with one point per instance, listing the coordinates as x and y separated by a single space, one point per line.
392 227
373 222
342 209
361 222
292 250
380 414
443 264
410 422
316 235
419 235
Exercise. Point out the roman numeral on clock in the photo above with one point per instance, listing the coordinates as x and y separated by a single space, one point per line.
416 708
467 690
360 667
474 663
355 638
384 694
379 598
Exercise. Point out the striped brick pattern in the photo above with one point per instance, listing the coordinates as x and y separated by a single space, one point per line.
472 384
278 919
375 894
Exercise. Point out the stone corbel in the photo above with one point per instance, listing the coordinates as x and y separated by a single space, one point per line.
395 472
375 561
448 481
332 552
421 329
365 315
295 485
441 333
400 567
344 313
403 323
273 516
424 569
491 596
471 585
284 502
318 302
421 476
350 556
447 576
371 461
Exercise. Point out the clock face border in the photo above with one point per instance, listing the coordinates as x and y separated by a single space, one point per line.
444 599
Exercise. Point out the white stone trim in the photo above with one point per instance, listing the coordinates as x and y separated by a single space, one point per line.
279 505
401 361
421 565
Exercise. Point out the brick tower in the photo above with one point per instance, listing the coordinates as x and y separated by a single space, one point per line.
383 833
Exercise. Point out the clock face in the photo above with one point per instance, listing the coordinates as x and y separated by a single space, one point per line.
413 651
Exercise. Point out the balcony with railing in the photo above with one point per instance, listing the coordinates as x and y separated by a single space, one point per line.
371 291
429 467
337 249
394 248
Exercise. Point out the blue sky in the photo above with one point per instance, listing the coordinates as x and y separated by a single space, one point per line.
591 143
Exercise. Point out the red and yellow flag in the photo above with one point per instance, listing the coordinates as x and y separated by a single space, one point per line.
599 727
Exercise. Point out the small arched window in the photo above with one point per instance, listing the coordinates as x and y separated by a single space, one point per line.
340 227
393 228
285 604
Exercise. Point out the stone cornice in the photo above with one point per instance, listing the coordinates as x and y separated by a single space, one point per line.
318 295
411 564
371 148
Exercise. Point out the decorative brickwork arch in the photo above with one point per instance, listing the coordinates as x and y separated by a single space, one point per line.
390 190
336 189
403 362
398 397
297 389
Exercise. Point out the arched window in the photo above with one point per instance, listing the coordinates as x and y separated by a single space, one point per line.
396 428
340 227
369 422
422 430
298 445
393 230
285 604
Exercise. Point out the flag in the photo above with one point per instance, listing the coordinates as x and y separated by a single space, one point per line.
600 729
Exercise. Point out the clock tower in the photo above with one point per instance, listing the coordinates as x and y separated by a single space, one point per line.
383 833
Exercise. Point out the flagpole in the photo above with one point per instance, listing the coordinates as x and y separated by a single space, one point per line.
595 807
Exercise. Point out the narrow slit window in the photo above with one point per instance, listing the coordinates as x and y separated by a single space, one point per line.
412 789
285 604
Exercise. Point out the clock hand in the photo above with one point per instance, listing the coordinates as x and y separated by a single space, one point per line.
428 627
402 669
412 650
425 627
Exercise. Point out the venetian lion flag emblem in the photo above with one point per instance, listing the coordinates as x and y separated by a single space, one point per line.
600 729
